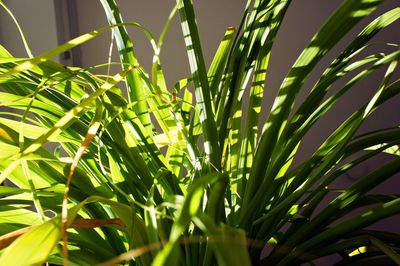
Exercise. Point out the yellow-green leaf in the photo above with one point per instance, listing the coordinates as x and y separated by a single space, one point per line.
34 247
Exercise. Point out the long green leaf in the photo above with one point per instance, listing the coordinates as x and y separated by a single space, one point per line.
125 47
199 75
22 252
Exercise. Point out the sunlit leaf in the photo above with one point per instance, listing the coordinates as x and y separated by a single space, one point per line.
22 252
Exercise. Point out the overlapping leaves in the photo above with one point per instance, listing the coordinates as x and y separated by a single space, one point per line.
167 178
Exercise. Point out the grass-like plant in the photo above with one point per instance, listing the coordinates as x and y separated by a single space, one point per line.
192 175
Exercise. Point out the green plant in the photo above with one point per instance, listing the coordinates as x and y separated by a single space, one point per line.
176 176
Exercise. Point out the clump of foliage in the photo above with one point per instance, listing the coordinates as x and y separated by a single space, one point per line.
190 175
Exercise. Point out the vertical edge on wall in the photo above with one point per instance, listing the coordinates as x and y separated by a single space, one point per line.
67 28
